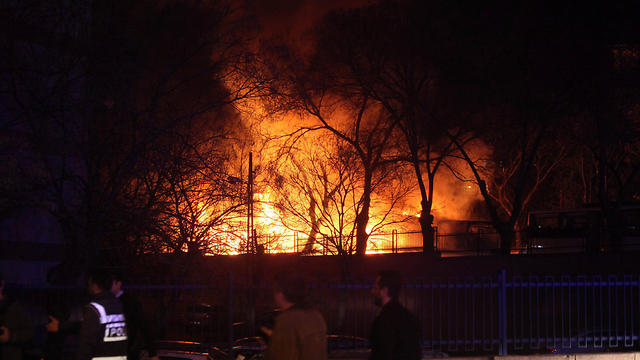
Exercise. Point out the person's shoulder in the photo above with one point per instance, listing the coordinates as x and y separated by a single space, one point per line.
291 312
393 305
300 313
105 295
395 308
107 300
90 312
406 311
304 318
407 316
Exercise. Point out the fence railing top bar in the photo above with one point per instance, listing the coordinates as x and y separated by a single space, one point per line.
573 283
367 283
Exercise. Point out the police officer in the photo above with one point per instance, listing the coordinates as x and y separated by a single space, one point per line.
103 334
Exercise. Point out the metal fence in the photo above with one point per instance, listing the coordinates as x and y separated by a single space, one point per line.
460 316
472 240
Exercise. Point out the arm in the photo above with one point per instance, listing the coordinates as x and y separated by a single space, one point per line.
17 326
89 333
65 327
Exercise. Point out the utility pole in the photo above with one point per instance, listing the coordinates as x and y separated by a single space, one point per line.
251 246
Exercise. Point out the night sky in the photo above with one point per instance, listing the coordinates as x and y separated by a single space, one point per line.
294 16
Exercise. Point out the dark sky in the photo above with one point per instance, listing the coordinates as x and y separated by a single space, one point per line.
291 16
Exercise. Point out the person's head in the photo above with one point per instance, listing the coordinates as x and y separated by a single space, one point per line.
289 289
99 280
116 285
387 287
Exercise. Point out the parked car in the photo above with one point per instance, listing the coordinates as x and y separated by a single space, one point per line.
353 347
347 347
338 347
267 319
251 348
185 350
346 342
205 315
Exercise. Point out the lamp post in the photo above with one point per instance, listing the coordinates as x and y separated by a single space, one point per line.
251 238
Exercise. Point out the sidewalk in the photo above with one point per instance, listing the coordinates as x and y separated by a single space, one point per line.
596 356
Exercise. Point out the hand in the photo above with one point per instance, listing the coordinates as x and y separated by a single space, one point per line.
53 325
5 334
267 331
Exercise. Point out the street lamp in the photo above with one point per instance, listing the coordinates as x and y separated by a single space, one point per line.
251 238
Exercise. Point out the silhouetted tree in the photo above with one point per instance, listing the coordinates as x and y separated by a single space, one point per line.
317 187
125 106
609 95
342 110
383 59
521 86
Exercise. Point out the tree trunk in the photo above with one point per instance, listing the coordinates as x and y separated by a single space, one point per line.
362 219
428 233
507 236
361 231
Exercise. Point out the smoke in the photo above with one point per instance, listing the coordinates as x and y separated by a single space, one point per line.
456 193
456 196
291 17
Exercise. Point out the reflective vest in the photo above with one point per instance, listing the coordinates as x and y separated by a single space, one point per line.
114 339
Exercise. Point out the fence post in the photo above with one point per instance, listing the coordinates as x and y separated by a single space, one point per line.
394 241
502 312
435 237
230 317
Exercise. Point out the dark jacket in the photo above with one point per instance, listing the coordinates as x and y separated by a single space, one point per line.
395 334
13 316
103 332
137 325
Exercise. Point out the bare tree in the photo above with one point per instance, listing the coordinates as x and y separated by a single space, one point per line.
107 93
521 94
389 55
352 118
370 63
315 187
609 95
318 189
511 177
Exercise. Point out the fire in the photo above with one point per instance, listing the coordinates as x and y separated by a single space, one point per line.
278 233
452 202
